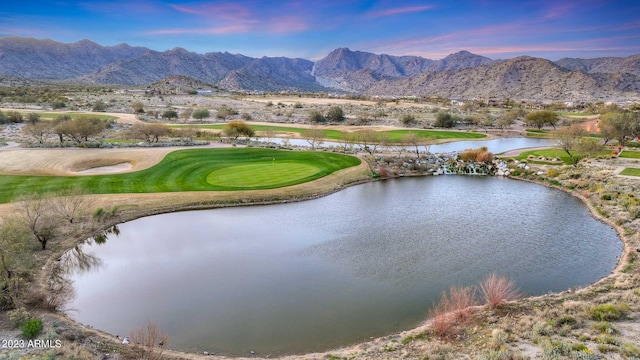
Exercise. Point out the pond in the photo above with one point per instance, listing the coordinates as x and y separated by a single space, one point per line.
315 275
496 146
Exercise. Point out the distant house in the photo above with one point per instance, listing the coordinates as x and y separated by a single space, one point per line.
457 102
205 92
133 91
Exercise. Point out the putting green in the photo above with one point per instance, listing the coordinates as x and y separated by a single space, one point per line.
261 174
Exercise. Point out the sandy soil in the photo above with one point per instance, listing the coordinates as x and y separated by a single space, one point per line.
71 161
328 101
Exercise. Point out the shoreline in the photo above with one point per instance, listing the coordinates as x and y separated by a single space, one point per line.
601 283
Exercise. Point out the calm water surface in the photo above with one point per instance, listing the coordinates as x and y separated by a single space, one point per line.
497 145
319 274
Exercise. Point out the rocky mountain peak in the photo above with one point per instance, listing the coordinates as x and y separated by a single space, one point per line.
461 74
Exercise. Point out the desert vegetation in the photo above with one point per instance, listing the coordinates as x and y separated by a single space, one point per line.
488 321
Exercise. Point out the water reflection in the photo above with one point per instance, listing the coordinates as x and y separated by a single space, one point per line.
101 238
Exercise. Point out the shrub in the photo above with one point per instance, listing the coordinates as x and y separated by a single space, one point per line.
552 173
605 312
498 290
335 114
452 309
18 317
31 328
605 348
630 350
315 117
441 322
606 197
603 327
567 320
634 212
480 155
607 339
445 120
98 213
408 120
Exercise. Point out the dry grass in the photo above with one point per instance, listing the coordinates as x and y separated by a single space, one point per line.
150 340
498 290
478 155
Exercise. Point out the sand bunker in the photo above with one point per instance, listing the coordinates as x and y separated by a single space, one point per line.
106 169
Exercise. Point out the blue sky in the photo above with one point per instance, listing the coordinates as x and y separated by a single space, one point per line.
311 29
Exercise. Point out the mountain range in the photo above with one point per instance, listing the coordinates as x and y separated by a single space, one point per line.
459 75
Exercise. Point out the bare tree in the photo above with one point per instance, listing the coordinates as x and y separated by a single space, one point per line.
149 132
187 133
186 114
268 135
370 140
314 136
39 218
70 204
347 140
414 140
81 128
151 340
39 130
138 107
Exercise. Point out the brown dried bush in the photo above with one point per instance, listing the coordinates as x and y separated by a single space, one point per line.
454 309
498 290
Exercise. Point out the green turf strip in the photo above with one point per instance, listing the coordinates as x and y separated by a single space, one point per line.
630 172
394 135
630 154
191 170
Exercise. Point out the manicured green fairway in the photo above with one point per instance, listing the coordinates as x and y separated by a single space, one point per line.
630 172
551 153
394 135
630 154
547 153
194 170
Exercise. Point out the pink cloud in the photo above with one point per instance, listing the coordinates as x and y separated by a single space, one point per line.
229 12
396 11
286 24
232 29
559 9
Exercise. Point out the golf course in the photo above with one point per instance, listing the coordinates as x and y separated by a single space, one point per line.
223 169
393 136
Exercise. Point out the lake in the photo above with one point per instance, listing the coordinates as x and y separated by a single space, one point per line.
367 261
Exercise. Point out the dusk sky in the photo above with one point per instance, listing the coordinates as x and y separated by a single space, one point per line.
311 29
